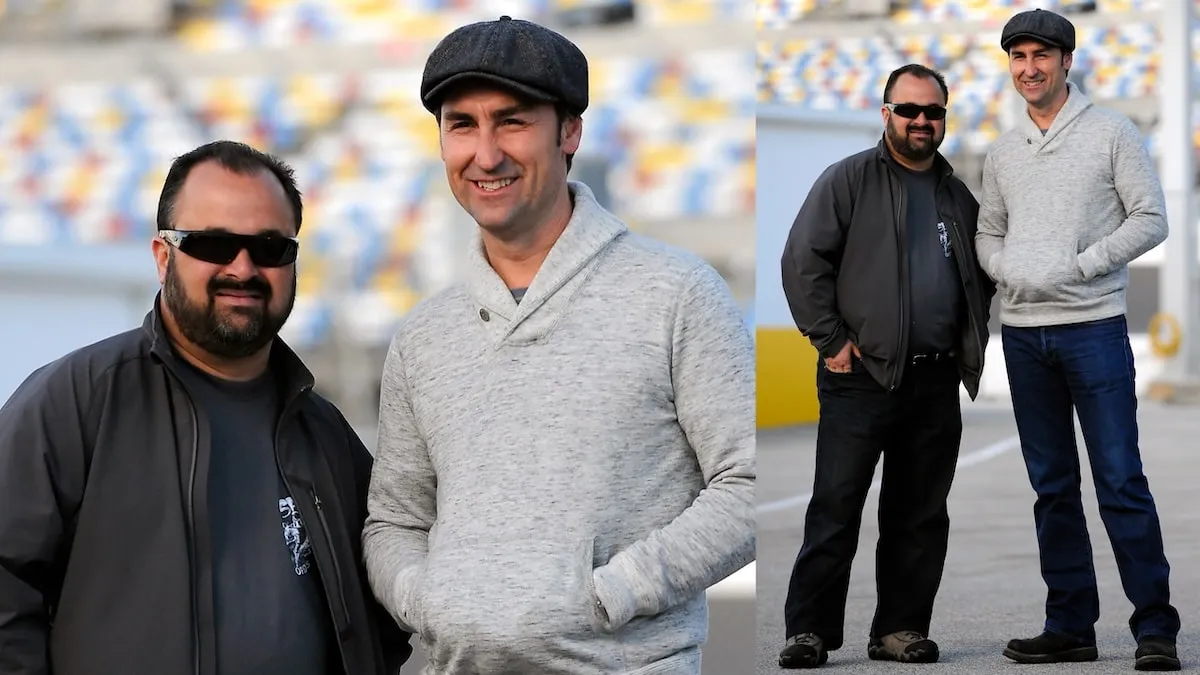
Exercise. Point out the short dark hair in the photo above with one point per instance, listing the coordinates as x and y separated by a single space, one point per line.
916 70
236 157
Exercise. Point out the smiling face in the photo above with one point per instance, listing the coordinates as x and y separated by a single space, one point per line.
506 158
914 138
229 310
1039 72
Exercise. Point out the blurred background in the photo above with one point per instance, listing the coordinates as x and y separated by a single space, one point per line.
98 96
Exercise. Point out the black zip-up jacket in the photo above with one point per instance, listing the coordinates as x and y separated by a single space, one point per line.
845 265
105 562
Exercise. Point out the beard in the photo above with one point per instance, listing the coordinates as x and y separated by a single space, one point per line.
918 151
236 332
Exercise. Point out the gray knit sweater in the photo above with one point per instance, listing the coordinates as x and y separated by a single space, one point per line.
558 481
1062 215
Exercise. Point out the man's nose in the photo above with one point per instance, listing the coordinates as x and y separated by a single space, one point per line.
488 155
242 266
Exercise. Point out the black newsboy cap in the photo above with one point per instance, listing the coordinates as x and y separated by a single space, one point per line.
524 56
1041 25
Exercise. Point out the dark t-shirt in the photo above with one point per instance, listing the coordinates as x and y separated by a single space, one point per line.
934 283
271 614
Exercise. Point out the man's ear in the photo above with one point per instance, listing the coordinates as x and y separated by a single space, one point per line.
571 134
162 256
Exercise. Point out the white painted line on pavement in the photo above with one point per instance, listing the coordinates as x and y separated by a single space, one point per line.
970 459
740 584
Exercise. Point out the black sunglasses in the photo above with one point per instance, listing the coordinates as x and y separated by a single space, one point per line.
221 248
912 111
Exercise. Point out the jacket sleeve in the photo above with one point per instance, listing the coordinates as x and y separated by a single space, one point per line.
993 223
395 643
401 499
42 468
712 371
811 257
1145 224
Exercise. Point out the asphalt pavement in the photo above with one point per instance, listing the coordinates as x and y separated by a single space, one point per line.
992 590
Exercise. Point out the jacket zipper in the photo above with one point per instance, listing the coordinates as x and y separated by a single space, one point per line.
902 331
192 536
337 569
323 525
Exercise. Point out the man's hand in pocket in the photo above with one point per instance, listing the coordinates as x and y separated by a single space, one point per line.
841 362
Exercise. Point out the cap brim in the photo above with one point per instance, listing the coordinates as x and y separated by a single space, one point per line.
433 99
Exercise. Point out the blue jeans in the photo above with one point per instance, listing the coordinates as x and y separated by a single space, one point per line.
1088 366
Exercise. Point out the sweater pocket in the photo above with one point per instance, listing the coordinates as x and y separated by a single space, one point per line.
1040 272
490 604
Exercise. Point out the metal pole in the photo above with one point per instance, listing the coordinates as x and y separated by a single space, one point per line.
1177 287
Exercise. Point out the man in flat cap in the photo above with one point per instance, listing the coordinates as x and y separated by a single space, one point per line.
565 458
1070 198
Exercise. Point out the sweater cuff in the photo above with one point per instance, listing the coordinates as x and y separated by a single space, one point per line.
404 604
616 597
1089 264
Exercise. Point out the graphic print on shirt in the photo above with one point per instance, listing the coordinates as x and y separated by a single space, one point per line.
295 536
944 237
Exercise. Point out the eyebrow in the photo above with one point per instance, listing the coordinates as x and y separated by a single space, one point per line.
271 231
460 116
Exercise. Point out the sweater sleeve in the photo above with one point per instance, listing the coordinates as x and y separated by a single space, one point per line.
712 373
993 223
401 499
1145 224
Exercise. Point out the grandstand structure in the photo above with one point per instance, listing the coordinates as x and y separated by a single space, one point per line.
96 99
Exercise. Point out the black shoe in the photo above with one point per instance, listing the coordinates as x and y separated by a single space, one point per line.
1050 648
805 650
1156 653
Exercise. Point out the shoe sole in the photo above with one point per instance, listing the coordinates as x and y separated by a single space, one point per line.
881 654
800 663
1077 655
1157 662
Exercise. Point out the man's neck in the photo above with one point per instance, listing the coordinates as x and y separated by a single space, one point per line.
518 260
1044 117
238 370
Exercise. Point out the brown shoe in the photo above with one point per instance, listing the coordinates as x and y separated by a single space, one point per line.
906 646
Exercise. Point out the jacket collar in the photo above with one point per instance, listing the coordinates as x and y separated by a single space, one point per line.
1077 103
590 229
295 377
940 163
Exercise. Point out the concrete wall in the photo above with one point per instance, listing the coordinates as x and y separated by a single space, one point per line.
55 300
794 147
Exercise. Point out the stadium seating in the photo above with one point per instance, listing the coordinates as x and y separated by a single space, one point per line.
85 162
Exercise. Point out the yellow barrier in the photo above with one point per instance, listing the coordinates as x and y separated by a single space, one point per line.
1169 347
786 369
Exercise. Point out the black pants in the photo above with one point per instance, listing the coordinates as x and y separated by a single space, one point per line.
918 429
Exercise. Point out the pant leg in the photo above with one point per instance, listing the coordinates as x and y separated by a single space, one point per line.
1100 369
914 522
853 425
1042 407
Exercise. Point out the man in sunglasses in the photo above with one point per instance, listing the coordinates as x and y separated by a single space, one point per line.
881 277
566 438
1070 198
176 498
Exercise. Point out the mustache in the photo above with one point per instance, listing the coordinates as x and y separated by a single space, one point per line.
253 285
919 128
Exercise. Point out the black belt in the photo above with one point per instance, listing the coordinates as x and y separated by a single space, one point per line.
930 357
